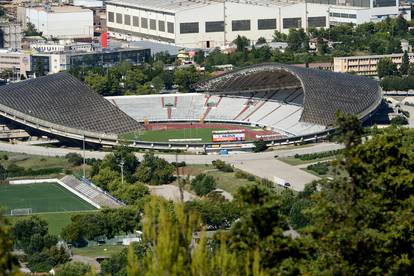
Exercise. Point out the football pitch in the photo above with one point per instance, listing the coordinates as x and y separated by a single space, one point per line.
41 197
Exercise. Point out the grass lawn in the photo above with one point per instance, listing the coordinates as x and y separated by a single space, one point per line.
56 221
98 251
228 181
41 197
165 135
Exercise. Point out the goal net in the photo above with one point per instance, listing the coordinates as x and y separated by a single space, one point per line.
21 212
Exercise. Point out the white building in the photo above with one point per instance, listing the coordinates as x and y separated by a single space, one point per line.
62 46
208 23
63 22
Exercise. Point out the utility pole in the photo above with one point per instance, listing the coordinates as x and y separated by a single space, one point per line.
84 159
122 171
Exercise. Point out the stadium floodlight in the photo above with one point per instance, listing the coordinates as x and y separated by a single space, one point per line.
21 212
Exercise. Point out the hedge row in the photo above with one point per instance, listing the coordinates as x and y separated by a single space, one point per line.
317 155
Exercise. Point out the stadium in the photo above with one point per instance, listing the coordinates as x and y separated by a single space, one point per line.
277 103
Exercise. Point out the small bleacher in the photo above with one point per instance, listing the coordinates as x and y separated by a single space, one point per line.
93 193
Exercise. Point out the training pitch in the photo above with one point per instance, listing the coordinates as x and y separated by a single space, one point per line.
41 197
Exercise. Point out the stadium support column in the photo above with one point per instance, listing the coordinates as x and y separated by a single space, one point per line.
225 24
83 165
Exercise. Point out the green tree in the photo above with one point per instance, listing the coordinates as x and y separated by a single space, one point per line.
97 82
297 40
405 65
31 30
132 193
386 67
399 121
105 176
279 37
261 40
154 170
368 212
260 145
185 77
241 43
3 173
8 262
74 158
25 230
73 269
203 184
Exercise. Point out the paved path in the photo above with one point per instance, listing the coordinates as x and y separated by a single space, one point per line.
263 164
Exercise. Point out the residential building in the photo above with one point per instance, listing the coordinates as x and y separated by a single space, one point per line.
365 65
16 61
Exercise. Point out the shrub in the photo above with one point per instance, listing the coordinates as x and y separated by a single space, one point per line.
399 121
222 166
320 168
74 158
312 156
203 184
260 145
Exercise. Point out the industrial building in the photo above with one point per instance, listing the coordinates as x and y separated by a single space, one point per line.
62 22
209 23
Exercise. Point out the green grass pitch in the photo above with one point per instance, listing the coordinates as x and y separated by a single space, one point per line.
41 197
165 135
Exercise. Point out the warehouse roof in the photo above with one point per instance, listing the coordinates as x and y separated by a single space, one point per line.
65 101
325 92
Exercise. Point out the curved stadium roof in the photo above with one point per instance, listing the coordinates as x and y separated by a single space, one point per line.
64 102
325 92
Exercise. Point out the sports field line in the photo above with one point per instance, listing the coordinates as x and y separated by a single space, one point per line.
64 212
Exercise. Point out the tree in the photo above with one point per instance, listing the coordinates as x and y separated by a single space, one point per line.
74 158
368 212
72 269
3 173
399 120
185 77
297 40
131 194
405 65
26 229
241 43
154 170
260 145
8 262
97 82
279 37
203 184
105 176
31 30
386 67
261 40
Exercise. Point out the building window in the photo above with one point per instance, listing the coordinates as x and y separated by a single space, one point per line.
384 3
352 16
240 25
295 22
170 27
110 16
144 23
189 28
161 26
153 24
266 24
135 21
214 26
119 18
317 21
127 19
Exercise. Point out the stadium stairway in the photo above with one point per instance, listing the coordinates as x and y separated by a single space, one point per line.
93 193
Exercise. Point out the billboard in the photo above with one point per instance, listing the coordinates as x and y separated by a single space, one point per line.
228 135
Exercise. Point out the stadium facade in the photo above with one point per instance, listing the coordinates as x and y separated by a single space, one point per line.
210 23
299 103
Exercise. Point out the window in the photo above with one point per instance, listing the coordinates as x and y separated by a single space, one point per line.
127 19
170 27
144 23
110 16
135 21
214 26
240 25
153 24
119 18
266 24
189 28
352 16
161 26
384 3
295 22
317 21
335 14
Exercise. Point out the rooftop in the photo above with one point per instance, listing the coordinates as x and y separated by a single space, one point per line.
61 9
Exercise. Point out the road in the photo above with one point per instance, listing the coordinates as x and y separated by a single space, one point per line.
262 164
